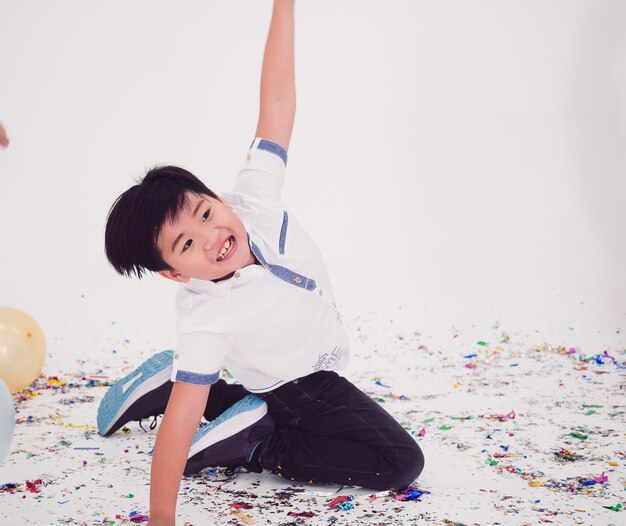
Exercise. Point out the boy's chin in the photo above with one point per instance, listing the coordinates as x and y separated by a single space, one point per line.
216 277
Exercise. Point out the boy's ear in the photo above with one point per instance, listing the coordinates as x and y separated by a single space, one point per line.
174 276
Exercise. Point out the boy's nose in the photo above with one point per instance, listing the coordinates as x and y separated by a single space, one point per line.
212 240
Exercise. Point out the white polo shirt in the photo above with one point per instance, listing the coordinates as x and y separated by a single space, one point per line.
269 323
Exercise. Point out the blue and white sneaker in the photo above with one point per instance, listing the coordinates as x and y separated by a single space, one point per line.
140 394
232 438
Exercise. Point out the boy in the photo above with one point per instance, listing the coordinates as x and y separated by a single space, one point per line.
256 299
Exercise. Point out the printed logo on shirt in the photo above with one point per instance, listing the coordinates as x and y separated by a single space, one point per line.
326 361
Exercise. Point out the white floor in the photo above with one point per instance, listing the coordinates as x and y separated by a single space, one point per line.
482 465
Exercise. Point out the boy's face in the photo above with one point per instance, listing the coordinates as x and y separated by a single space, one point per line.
207 240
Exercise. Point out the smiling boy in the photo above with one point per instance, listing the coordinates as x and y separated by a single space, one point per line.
192 249
254 298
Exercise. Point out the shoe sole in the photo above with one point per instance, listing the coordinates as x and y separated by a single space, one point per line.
248 416
148 377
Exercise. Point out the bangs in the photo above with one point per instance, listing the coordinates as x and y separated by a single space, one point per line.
136 218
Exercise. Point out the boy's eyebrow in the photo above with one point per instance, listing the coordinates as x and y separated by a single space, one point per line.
182 233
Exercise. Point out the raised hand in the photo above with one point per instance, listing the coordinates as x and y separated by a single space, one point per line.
4 140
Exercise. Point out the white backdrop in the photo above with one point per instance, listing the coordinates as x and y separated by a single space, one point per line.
459 163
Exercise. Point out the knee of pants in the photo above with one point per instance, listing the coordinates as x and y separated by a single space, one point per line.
408 468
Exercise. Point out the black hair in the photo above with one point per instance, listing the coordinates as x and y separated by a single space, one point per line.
137 216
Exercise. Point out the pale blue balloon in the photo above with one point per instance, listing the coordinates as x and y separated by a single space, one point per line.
7 420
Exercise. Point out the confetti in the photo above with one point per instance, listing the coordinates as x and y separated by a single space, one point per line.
540 443
137 517
504 417
410 493
243 517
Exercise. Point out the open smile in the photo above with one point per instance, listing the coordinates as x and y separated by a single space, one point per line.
228 248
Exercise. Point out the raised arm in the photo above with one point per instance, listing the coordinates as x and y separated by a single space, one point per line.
183 413
278 85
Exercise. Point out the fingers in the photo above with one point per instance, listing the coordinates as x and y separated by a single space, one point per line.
4 140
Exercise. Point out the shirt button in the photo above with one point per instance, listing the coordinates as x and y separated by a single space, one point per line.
237 274
297 279
249 157
320 292
176 356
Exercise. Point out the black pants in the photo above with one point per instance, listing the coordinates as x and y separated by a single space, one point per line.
329 431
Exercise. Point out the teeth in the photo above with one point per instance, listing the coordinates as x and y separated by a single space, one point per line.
227 246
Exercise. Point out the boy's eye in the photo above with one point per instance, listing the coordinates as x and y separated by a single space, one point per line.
205 216
187 244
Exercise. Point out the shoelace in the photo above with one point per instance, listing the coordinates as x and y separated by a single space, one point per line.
153 424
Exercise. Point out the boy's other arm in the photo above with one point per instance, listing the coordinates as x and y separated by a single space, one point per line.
278 86
184 409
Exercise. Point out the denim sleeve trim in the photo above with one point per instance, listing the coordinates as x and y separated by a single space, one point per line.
274 148
283 233
188 377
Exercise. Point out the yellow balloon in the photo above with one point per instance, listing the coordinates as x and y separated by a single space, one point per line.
22 348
